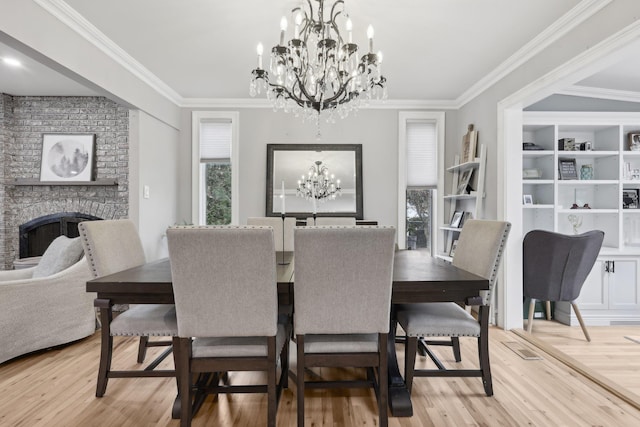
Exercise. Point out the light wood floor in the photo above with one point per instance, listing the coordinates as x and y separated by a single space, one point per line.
56 388
609 354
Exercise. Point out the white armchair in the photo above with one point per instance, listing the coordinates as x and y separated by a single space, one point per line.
42 312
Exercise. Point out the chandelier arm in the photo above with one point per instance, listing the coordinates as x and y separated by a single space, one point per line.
332 20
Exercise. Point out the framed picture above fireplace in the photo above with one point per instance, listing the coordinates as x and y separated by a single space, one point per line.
67 157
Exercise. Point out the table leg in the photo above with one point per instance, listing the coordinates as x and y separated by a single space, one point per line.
399 396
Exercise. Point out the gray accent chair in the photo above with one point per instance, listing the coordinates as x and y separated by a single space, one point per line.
46 305
480 247
331 220
111 246
555 267
342 304
225 289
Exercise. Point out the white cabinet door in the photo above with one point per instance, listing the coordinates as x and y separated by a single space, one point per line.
594 294
623 287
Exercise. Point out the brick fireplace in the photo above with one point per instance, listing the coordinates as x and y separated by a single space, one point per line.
23 120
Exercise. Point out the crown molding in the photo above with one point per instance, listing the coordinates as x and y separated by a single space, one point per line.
600 93
396 104
570 20
72 19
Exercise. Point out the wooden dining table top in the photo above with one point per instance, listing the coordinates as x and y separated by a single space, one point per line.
417 277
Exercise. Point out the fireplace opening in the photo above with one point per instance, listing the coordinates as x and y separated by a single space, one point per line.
37 234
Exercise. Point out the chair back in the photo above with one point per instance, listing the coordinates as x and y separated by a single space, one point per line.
224 280
556 265
480 247
276 223
111 245
343 278
331 220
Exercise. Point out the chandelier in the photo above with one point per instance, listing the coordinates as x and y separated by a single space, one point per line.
318 184
318 69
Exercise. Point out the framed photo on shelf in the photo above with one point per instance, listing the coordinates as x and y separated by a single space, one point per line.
456 219
464 182
630 198
634 141
67 157
527 199
567 168
469 142
452 251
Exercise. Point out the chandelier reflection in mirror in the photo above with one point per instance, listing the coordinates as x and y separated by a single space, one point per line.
318 183
318 70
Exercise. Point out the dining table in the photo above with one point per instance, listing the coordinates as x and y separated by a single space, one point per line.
417 278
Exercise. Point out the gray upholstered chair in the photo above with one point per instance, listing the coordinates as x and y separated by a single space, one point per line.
111 246
331 220
555 267
283 237
342 303
224 283
479 251
46 305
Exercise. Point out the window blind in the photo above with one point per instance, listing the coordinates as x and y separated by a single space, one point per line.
422 158
215 140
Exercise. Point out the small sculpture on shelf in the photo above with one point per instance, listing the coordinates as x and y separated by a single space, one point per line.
575 221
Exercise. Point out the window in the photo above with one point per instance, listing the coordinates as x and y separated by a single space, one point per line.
421 138
215 168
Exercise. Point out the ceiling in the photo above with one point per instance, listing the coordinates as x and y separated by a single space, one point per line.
433 49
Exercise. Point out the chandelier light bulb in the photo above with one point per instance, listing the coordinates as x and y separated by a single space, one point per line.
283 29
349 27
260 50
370 37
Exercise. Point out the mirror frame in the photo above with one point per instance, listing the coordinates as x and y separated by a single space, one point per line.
356 148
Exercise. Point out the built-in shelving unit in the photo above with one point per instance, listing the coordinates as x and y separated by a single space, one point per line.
36 182
611 293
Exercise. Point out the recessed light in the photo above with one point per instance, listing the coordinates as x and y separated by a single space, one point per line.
11 62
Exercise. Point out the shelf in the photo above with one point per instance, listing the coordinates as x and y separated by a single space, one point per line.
37 182
538 181
589 211
461 196
588 182
464 166
631 182
538 207
537 153
444 257
631 211
587 153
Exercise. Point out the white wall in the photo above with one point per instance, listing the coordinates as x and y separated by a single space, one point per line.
375 129
483 112
153 154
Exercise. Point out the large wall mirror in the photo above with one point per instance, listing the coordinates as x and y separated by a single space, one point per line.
288 191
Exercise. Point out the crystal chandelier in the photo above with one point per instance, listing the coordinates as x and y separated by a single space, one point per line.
318 184
318 69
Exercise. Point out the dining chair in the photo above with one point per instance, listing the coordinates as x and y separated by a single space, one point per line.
111 246
282 230
224 284
331 220
480 247
555 266
343 280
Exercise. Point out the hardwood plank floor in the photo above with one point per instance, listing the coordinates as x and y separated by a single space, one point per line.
609 353
56 388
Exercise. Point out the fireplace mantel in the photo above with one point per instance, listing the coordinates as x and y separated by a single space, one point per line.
35 181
